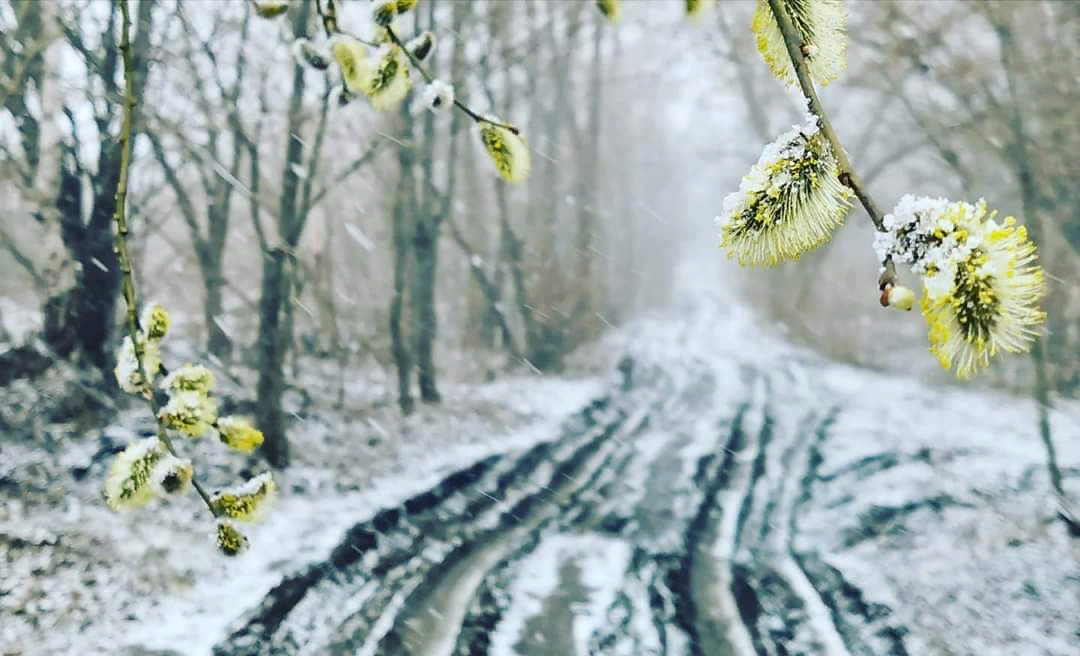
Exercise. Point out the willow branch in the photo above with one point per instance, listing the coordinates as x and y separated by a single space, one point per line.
122 231
797 52
475 116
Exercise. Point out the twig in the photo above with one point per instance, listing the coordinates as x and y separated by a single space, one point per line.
120 218
328 16
429 78
797 52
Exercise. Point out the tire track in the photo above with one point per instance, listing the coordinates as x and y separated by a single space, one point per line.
859 622
460 504
608 506
689 478
427 626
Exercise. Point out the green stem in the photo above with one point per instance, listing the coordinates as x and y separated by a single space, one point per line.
796 51
120 218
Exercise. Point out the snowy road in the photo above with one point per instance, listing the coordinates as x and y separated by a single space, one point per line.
734 496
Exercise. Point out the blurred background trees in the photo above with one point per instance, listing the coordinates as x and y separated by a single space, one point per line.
286 232
282 228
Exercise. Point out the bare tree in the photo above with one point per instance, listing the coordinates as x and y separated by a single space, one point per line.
209 228
79 314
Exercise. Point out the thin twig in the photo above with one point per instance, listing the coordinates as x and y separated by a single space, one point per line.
479 118
120 218
797 52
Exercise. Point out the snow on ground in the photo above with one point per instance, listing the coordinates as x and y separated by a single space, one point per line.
587 570
962 474
76 578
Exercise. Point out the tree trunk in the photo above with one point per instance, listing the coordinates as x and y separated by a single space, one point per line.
79 320
405 207
218 343
274 327
402 265
271 348
588 198
79 317
1029 197
424 321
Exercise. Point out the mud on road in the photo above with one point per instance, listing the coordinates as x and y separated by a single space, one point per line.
719 500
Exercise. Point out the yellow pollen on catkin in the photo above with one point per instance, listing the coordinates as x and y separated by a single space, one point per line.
352 59
248 502
239 433
389 82
129 483
507 151
230 541
789 203
610 9
985 299
822 28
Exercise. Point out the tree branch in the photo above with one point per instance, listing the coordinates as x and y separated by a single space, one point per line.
429 78
120 218
795 48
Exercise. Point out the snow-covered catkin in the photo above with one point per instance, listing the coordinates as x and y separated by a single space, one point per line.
436 96
383 13
897 297
506 149
230 541
190 412
822 28
610 9
982 285
248 502
190 378
239 433
389 82
307 54
172 475
155 322
352 59
130 481
695 9
270 8
789 203
128 375
421 46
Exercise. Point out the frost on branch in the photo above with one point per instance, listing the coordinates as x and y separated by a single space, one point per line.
789 203
822 28
381 68
151 467
981 282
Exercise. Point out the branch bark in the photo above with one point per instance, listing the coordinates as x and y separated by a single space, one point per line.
847 175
